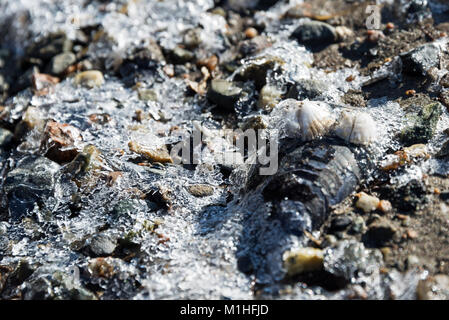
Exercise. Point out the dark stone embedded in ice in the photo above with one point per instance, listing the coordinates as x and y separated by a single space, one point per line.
179 55
340 223
48 283
419 60
443 153
5 137
61 62
315 33
50 46
241 5
31 182
224 93
307 89
418 10
257 69
350 258
101 245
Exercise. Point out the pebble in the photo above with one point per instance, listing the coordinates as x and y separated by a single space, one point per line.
315 33
201 190
89 79
251 33
340 223
434 288
101 245
153 154
61 62
6 137
303 260
224 93
43 84
31 182
366 202
350 257
374 35
59 141
181 56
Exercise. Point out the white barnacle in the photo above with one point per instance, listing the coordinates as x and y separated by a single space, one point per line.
314 119
357 128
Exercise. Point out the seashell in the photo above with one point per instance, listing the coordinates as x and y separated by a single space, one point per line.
357 128
314 119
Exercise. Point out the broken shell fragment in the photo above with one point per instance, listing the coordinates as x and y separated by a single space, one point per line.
89 79
358 128
314 119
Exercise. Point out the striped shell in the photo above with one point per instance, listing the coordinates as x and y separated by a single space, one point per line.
357 128
314 119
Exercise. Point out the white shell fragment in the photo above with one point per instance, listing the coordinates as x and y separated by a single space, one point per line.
314 119
358 128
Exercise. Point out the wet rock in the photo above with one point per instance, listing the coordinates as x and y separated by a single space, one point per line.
6 137
147 95
256 122
340 223
366 202
50 284
315 33
224 93
50 46
84 161
101 245
192 38
201 190
380 232
257 69
350 258
307 89
425 122
89 79
303 260
434 288
419 60
358 225
59 141
16 277
240 5
126 208
61 62
31 182
155 154
179 55
43 84
252 46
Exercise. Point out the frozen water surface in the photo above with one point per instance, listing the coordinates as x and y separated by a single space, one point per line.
188 246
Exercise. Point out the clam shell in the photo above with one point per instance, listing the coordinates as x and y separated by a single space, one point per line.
357 128
314 119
